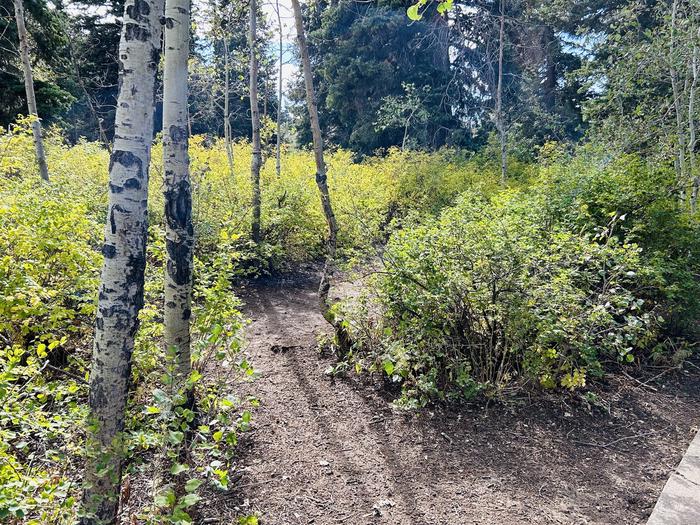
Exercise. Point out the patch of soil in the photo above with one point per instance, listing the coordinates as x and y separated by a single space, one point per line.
326 451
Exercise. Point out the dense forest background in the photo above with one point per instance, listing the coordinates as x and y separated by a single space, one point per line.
568 68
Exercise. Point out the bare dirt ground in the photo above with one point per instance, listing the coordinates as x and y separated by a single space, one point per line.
326 451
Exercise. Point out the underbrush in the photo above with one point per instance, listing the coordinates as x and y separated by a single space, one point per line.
584 264
50 235
591 267
48 279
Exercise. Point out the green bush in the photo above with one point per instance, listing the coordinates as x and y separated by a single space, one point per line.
48 281
48 264
491 296
589 189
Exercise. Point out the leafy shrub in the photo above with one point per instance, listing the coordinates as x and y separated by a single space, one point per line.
586 189
194 450
50 236
490 295
48 267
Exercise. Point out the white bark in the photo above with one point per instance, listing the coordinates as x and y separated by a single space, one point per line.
29 89
256 160
682 171
278 148
500 121
693 135
179 233
121 288
322 183
227 111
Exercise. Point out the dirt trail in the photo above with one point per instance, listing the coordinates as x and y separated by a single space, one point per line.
329 452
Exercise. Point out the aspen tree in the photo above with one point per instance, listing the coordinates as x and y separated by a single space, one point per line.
278 146
342 336
179 233
256 160
500 119
29 89
228 140
121 287
673 74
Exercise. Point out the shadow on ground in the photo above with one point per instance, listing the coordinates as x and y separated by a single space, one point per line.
326 451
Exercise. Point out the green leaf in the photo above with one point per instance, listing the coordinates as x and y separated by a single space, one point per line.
180 517
178 468
195 376
188 500
444 6
166 498
175 437
413 13
193 485
388 367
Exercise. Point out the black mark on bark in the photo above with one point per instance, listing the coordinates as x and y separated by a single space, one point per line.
126 159
132 184
178 134
178 212
109 251
136 32
112 222
139 11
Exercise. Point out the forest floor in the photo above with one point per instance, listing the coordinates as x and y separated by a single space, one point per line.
331 451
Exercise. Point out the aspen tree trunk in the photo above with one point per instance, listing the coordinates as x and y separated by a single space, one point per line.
278 148
499 96
321 182
227 116
121 288
693 135
266 88
406 127
256 160
179 234
29 88
676 100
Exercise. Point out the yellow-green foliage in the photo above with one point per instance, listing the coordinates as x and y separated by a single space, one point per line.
568 269
489 293
593 260
50 237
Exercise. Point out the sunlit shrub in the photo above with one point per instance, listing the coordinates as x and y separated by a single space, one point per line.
48 263
490 296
